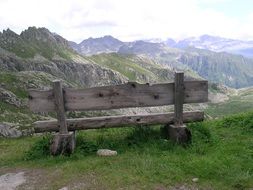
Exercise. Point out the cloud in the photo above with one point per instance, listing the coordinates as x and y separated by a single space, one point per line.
125 19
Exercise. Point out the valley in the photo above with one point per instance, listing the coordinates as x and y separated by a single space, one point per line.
221 146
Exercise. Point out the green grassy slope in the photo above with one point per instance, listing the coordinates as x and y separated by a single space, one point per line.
242 101
220 155
135 68
18 83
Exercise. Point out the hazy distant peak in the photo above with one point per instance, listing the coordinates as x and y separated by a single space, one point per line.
93 46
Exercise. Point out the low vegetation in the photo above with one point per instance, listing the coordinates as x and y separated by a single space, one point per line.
220 155
240 102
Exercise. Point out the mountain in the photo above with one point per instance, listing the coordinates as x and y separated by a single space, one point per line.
217 44
91 46
37 56
229 69
36 41
135 67
39 50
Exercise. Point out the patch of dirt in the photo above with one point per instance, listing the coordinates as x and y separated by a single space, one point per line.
42 179
181 187
10 181
217 97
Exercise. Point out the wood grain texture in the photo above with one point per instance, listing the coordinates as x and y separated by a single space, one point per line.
179 98
116 121
119 96
59 106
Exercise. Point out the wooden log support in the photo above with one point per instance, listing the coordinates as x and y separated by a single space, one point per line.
179 98
59 106
64 142
178 131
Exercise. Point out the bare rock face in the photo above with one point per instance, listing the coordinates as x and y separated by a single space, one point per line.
9 130
106 152
9 97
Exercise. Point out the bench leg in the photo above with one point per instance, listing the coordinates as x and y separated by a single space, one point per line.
178 133
63 144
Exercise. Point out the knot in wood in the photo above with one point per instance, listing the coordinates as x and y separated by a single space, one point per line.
156 96
133 85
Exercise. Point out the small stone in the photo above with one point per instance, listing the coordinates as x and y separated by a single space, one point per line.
195 180
106 152
64 188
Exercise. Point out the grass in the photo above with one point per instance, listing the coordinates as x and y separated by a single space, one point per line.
11 81
130 66
220 155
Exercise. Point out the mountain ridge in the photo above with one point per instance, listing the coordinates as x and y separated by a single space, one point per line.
39 43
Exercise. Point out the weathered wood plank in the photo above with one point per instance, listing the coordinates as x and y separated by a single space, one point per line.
179 98
59 106
128 95
116 121
41 100
119 96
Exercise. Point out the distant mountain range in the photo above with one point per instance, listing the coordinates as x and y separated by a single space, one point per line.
107 44
216 44
108 60
217 66
39 50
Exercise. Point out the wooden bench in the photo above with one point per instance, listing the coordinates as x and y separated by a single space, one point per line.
127 95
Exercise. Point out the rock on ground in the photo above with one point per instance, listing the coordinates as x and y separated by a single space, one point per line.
9 97
106 152
10 181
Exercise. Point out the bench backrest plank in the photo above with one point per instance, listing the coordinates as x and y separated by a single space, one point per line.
119 96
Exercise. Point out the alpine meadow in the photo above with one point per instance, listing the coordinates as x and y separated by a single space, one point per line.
126 95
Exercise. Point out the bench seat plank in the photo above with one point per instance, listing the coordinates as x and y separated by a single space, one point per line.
116 121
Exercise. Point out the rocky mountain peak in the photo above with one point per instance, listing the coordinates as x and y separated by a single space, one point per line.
8 34
38 34
92 46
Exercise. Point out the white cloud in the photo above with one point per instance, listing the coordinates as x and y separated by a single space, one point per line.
124 19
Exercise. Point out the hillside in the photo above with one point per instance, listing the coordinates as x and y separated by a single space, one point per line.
220 156
216 66
19 73
135 68
230 101
228 69
23 66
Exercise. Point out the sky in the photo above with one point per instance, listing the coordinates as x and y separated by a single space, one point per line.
130 20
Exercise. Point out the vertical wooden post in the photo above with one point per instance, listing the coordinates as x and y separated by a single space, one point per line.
179 98
178 132
59 106
64 142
